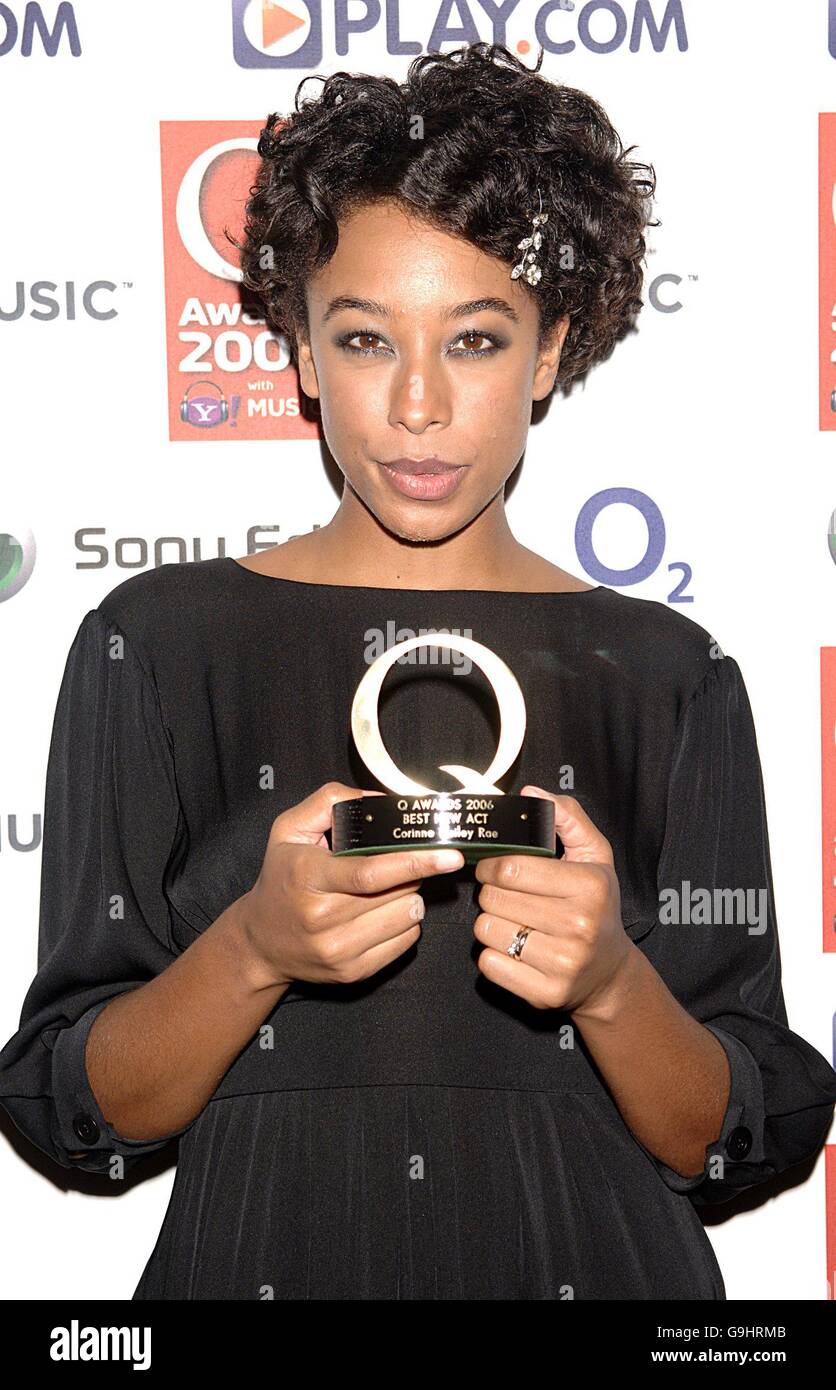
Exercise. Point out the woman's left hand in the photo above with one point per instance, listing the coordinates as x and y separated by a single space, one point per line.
577 946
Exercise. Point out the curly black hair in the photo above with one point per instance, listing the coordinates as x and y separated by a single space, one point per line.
467 143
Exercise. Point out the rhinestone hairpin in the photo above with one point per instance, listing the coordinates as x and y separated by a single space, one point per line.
530 245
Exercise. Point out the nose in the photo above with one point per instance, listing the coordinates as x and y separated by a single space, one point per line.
420 395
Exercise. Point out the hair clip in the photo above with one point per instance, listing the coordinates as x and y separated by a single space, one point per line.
530 245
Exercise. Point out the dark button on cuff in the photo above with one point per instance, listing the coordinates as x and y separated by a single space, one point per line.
739 1142
87 1129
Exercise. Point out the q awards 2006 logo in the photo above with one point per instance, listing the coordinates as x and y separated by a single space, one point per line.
229 375
266 35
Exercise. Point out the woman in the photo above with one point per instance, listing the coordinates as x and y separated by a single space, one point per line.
393 1076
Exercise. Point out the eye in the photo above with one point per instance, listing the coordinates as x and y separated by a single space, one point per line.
369 342
471 338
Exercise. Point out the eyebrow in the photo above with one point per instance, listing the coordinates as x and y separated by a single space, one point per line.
452 311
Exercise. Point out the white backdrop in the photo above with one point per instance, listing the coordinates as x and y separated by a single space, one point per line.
711 410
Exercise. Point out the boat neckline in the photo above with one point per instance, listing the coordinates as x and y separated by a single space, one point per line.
425 593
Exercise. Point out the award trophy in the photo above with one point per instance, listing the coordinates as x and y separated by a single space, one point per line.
477 818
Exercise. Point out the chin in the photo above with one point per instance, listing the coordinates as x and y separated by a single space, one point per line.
405 532
418 529
415 521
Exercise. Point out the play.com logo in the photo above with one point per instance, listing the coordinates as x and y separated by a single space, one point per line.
265 35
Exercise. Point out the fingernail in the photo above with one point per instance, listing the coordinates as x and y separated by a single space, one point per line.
448 859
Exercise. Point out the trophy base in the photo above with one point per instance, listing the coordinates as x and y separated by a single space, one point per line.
480 826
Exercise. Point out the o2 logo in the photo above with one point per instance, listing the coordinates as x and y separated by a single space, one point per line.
652 558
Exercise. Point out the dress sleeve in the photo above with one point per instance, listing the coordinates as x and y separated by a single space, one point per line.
724 965
111 817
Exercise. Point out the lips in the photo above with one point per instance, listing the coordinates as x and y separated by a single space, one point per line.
415 468
424 480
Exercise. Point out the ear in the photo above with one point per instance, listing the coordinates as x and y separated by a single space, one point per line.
548 360
306 368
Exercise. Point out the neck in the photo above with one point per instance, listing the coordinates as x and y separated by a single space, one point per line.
354 548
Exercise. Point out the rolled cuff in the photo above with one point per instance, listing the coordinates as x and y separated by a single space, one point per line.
736 1160
81 1135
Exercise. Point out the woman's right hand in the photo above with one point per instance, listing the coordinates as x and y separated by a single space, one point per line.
313 915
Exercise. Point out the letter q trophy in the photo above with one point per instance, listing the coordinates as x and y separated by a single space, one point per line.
478 818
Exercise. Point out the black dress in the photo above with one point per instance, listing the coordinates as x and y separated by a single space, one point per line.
424 1134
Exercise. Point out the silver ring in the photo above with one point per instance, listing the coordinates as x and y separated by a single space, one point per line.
515 949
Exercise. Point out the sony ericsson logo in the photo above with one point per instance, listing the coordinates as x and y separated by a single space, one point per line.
17 560
290 35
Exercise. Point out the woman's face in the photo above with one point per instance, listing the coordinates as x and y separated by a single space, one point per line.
422 348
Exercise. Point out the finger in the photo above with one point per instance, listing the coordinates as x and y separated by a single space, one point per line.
580 837
377 873
520 979
541 952
547 878
526 873
552 915
347 907
377 957
376 927
306 823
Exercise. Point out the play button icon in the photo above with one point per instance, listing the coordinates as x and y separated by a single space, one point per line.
268 35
